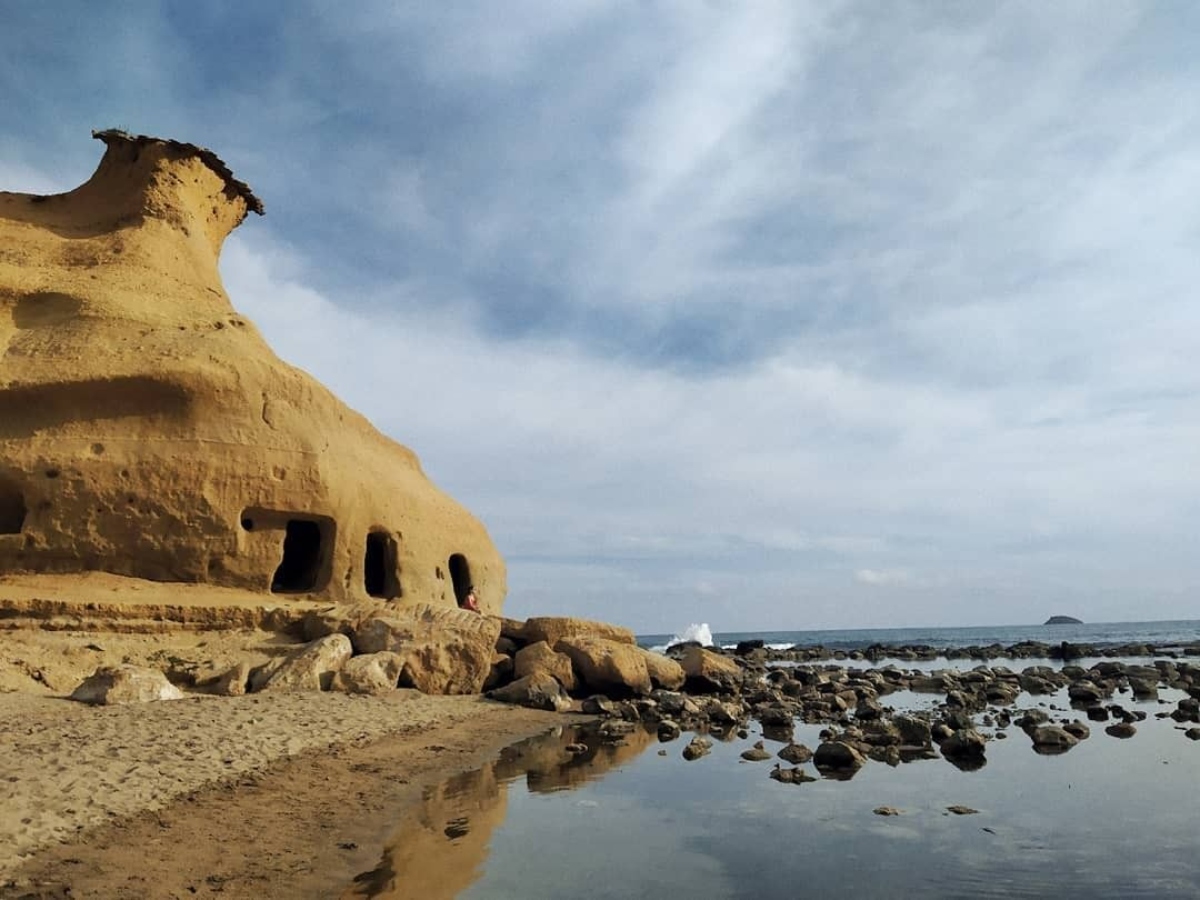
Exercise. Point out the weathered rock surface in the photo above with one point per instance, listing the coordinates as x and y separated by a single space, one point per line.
310 668
664 673
608 666
537 691
706 671
838 756
540 657
125 684
370 673
1052 739
147 430
445 650
553 629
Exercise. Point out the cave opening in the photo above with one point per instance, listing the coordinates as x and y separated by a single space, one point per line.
303 558
379 566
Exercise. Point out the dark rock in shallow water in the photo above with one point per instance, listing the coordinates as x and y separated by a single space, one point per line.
697 748
668 730
1052 739
796 754
757 753
838 757
744 647
1063 620
965 743
791 776
1121 730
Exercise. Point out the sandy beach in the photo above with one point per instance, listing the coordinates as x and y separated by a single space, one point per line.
283 795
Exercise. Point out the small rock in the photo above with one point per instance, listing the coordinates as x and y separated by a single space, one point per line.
1121 730
697 748
886 811
756 753
796 754
961 810
791 776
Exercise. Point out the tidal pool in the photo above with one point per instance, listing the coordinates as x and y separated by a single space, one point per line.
1109 818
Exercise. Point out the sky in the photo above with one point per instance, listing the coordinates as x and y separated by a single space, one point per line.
768 315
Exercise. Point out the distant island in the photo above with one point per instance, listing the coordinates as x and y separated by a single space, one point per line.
1063 620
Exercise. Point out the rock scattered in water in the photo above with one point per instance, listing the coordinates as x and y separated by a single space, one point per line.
790 776
697 748
796 754
886 811
1121 730
757 753
961 810
838 756
1050 739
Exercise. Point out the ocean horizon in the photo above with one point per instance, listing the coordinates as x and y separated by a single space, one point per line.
1160 633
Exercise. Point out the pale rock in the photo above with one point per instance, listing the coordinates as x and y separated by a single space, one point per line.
553 629
607 666
540 657
311 668
370 673
664 673
110 685
537 691
706 671
445 650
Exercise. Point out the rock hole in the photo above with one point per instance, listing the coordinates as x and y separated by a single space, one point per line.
460 575
52 473
303 558
379 566
12 509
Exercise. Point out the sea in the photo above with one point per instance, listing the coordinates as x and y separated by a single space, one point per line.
1111 818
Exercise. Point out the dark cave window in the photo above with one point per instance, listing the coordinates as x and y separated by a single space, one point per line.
460 575
303 557
379 566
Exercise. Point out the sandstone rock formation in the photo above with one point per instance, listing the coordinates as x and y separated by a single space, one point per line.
147 430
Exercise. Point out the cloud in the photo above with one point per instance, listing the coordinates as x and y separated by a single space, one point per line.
745 313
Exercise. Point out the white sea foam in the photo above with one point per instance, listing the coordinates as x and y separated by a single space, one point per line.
697 631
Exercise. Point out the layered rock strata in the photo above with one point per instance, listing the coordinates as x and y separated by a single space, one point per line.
147 430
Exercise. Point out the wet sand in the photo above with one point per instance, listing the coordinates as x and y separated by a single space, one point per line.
258 796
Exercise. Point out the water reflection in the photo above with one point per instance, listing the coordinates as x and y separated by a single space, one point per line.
439 850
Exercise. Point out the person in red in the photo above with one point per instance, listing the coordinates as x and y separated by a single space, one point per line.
469 600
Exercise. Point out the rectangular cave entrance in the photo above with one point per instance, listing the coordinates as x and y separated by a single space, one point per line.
12 509
303 558
379 566
460 576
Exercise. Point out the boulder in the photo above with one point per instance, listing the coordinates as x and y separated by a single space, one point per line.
696 748
538 691
553 629
445 650
664 673
310 668
501 673
110 685
838 756
233 682
608 666
708 672
342 618
757 753
370 673
1052 739
796 754
965 743
1121 730
790 776
540 657
1085 693
913 731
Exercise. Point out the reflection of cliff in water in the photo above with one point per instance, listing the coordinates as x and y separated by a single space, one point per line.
441 848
